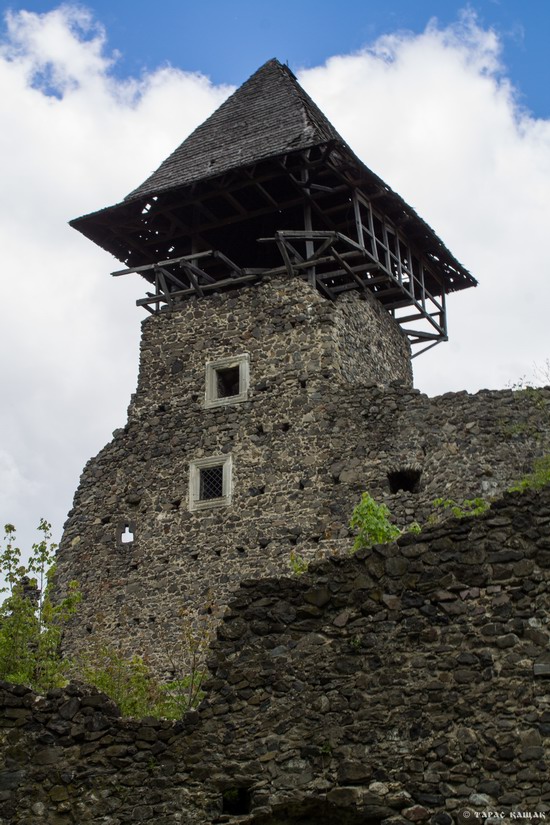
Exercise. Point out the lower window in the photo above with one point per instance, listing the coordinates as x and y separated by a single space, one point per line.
210 482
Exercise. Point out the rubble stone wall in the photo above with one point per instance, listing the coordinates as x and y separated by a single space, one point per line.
407 683
330 413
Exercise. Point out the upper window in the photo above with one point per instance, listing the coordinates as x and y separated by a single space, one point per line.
227 381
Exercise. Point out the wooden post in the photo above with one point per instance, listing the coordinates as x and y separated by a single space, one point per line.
308 226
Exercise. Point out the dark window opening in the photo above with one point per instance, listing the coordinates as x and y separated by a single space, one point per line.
228 382
211 482
407 480
236 801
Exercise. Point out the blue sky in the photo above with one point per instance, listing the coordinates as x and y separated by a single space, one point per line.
456 118
228 40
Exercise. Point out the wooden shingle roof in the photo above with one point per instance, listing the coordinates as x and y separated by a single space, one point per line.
240 176
269 115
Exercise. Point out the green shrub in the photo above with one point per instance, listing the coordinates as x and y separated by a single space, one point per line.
297 563
538 478
371 520
131 684
30 625
468 507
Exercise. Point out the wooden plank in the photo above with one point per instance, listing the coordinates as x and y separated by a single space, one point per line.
205 287
193 279
407 318
189 268
325 245
425 349
285 256
166 262
348 269
235 203
164 286
172 278
425 336
236 270
291 248
324 289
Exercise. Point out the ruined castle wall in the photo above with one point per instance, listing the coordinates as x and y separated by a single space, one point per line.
408 683
304 446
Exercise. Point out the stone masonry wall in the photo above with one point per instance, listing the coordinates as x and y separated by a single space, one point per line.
314 433
407 683
368 347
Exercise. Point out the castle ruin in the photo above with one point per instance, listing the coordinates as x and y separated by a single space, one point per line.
288 288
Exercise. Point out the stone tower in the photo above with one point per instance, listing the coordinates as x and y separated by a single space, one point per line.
287 285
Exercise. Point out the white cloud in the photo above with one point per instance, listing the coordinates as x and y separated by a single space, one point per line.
77 140
432 114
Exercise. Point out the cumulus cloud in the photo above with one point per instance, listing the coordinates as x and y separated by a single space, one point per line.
436 117
74 139
433 114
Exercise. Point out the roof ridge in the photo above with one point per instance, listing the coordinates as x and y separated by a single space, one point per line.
268 115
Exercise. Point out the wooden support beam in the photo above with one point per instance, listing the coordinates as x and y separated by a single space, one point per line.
324 246
189 268
235 203
425 349
285 256
194 282
322 287
172 277
236 270
425 336
407 318
230 282
348 269
164 286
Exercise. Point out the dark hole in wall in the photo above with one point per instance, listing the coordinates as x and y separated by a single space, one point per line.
227 382
257 491
236 801
406 479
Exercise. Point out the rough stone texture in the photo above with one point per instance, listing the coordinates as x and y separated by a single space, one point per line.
397 685
330 413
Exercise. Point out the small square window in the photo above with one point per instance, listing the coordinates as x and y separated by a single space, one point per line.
210 482
227 381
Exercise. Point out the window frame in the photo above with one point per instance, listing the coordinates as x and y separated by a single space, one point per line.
211 398
195 467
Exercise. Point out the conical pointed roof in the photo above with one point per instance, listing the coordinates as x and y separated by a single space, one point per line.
267 123
268 115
